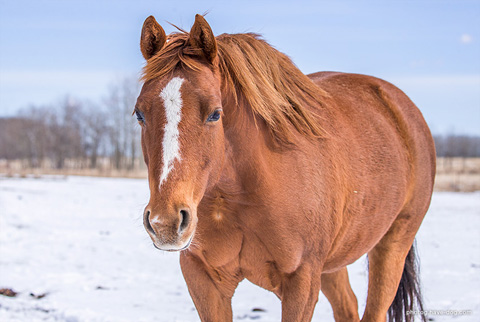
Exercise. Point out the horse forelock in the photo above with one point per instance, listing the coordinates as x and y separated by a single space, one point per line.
271 85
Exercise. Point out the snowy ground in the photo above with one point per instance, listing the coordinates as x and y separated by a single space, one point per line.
80 242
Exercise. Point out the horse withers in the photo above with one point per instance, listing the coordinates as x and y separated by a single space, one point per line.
258 171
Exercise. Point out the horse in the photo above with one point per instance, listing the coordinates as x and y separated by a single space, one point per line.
259 171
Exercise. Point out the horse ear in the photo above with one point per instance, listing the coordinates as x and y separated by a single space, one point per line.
201 36
153 38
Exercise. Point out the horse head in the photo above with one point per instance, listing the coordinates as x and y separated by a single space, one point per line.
180 113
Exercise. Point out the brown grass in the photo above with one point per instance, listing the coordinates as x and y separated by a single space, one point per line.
112 173
20 169
453 174
458 174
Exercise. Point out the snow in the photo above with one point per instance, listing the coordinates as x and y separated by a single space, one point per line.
81 241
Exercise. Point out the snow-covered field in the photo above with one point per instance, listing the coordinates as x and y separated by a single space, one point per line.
80 242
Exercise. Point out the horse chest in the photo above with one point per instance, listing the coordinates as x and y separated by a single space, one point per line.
264 264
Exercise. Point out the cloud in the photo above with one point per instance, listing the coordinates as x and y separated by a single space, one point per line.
466 39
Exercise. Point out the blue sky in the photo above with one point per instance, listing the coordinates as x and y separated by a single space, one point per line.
430 49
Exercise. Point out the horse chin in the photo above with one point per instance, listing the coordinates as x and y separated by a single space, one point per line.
173 248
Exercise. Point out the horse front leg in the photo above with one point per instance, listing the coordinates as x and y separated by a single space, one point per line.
210 289
299 294
337 289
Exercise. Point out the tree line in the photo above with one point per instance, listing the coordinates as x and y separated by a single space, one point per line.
83 134
76 133
457 146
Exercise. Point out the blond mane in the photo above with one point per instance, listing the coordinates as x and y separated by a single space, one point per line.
274 88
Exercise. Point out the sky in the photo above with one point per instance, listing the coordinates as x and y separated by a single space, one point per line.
430 49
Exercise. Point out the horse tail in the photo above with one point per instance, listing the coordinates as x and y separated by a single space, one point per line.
408 297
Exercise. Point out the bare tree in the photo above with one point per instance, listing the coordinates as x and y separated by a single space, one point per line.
96 130
123 128
453 145
36 134
65 124
13 139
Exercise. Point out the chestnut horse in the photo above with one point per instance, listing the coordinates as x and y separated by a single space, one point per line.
257 171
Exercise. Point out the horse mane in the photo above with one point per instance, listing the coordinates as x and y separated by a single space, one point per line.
274 88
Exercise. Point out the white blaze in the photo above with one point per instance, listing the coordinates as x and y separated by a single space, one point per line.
172 101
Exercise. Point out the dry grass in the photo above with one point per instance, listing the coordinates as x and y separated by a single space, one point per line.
105 169
38 173
458 174
453 174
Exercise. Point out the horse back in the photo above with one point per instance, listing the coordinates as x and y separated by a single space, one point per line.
360 97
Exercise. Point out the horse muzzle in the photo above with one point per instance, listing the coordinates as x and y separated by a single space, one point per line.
171 232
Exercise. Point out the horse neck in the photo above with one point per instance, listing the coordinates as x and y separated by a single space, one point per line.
246 147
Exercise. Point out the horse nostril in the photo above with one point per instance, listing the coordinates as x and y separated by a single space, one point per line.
185 220
147 222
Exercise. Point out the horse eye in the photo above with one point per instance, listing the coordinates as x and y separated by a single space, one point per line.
140 116
215 116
